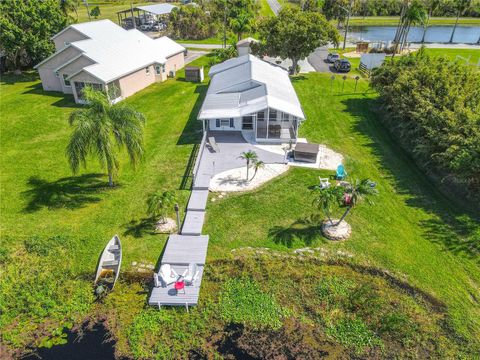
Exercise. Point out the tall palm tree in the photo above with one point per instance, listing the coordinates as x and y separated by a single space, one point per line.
431 5
461 6
102 129
412 13
241 24
359 190
250 157
158 204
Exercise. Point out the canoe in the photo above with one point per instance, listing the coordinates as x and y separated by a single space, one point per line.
110 261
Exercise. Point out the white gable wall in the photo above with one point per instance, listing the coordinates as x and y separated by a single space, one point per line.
68 36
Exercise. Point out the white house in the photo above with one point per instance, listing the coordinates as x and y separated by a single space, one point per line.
248 94
106 56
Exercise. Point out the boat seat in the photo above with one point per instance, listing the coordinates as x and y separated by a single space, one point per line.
114 248
110 263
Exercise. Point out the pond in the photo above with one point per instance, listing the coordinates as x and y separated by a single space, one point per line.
463 34
91 346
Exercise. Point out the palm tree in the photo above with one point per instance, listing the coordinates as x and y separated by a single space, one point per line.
69 6
257 165
241 23
250 157
361 189
412 14
158 204
432 5
101 129
461 6
326 198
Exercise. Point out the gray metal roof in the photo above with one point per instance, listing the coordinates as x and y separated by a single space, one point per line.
245 85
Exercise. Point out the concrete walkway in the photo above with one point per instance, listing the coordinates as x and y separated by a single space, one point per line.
275 6
202 46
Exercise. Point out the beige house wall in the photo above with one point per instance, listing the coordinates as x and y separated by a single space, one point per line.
50 81
72 68
136 81
68 36
175 63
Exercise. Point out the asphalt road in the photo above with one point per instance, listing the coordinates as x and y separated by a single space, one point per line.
317 60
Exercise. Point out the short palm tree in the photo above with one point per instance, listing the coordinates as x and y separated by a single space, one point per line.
102 129
159 203
327 198
250 157
257 165
359 190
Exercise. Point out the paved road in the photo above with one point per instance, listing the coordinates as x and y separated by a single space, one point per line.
275 6
317 60
202 46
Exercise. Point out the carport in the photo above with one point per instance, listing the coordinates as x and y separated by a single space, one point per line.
145 13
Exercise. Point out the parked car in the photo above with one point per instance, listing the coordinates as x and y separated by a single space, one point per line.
332 57
342 65
145 27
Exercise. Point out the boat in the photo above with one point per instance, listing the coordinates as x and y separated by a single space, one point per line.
109 264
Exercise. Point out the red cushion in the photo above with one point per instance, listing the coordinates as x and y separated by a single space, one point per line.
179 285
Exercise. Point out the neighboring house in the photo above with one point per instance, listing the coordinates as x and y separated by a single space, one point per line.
250 95
106 56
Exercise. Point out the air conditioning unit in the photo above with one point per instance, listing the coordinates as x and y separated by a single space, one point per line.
171 73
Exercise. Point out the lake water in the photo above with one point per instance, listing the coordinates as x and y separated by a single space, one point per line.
463 34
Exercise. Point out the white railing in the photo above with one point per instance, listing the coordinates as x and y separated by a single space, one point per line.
199 156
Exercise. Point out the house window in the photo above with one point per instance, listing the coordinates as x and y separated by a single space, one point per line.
217 123
232 125
147 70
57 74
225 122
65 81
273 115
247 123
285 117
261 116
158 69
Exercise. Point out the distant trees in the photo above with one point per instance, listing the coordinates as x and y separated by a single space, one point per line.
460 6
294 34
191 22
432 106
241 16
413 13
26 29
101 129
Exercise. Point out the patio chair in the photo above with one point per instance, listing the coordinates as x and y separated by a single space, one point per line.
341 173
167 274
213 144
191 274
324 183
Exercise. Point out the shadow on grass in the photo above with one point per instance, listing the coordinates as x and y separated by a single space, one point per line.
306 230
64 100
139 228
454 226
66 193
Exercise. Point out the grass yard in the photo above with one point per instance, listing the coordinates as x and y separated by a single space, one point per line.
393 21
341 301
107 10
265 9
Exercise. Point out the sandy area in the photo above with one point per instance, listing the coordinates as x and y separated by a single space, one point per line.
235 179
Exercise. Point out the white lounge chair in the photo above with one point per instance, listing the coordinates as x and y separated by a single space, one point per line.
324 183
167 274
191 274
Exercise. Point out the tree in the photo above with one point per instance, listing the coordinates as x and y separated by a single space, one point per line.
223 54
294 34
326 199
257 165
101 129
461 6
69 6
26 29
159 203
242 23
190 22
95 12
250 157
432 106
358 191
431 5
412 13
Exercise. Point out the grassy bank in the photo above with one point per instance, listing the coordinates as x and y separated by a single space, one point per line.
393 21
58 224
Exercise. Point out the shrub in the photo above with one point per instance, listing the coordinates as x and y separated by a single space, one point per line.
243 302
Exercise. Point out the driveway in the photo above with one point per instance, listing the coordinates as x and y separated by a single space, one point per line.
317 60
194 55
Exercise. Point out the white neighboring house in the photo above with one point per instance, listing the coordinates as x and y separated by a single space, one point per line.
106 56
250 95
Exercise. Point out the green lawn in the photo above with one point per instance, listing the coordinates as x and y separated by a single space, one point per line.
107 10
393 21
265 9
58 223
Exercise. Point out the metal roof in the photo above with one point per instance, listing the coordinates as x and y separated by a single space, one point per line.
118 52
157 9
245 85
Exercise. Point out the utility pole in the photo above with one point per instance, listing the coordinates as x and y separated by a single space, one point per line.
346 25
225 26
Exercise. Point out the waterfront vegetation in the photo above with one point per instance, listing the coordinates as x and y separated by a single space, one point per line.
405 284
393 21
